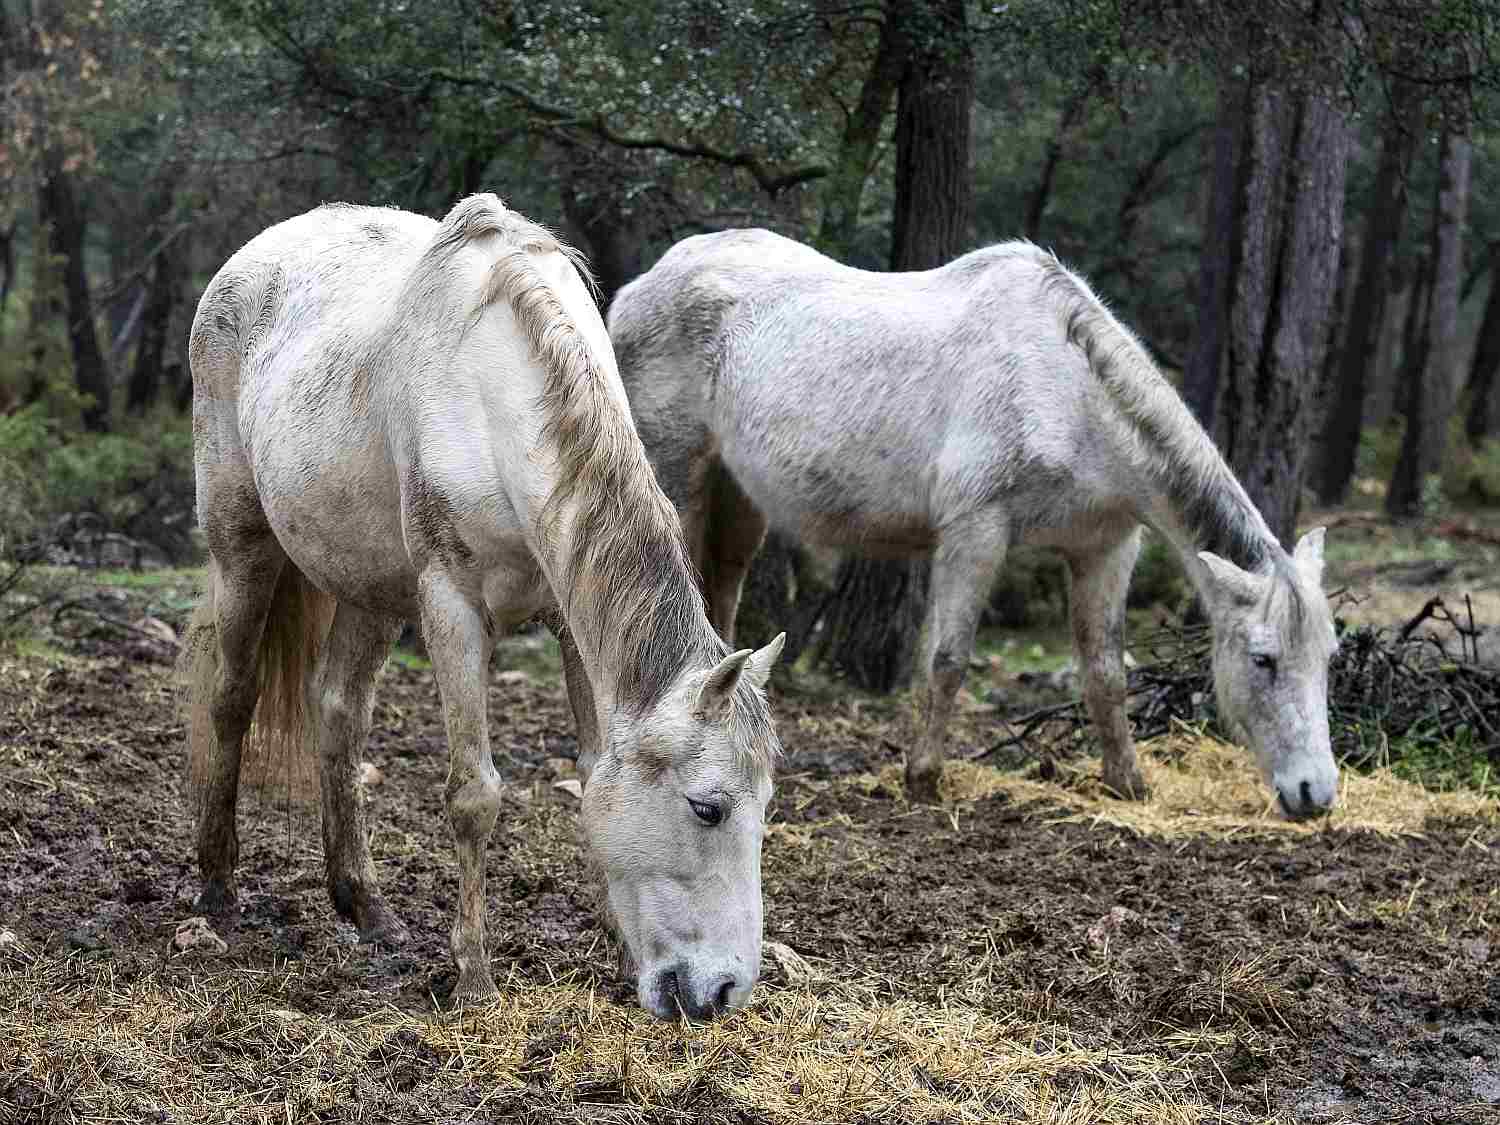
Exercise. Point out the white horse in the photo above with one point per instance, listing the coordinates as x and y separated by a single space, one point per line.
396 418
953 413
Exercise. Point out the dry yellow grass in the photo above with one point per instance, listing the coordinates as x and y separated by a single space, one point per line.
230 1049
1201 785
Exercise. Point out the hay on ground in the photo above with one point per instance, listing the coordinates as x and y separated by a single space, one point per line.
1202 785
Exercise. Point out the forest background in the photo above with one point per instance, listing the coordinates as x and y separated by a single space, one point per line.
1294 203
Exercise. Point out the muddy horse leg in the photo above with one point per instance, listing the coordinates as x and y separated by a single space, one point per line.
1097 607
341 694
735 530
244 585
963 570
459 642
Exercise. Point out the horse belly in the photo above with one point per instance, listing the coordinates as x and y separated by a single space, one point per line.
839 498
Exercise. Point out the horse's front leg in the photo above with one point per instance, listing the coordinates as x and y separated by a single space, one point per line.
458 642
342 693
963 570
1097 607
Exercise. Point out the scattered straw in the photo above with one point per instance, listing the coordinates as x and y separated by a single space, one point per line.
1201 785
238 1051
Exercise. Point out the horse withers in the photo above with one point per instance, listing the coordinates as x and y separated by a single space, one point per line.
400 419
952 414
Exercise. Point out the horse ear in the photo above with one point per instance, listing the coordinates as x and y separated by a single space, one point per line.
1229 584
764 660
1308 555
717 691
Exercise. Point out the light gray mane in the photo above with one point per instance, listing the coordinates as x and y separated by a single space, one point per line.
629 565
1209 500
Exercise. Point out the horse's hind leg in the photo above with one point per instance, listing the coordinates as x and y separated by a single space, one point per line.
244 579
459 642
1097 607
734 531
341 695
963 570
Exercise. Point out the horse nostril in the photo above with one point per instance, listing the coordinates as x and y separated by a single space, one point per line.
721 1001
1307 801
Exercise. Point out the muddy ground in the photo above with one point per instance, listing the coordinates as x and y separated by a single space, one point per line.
1338 976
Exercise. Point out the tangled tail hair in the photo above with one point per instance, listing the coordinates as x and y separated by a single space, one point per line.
278 758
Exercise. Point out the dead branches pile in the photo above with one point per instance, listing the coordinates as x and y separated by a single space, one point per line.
1422 684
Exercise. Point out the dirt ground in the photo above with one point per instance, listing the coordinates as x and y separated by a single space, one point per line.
992 959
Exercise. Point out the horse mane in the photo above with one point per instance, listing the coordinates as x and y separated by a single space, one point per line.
1208 498
627 551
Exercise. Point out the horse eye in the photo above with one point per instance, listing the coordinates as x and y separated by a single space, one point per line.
1264 660
707 813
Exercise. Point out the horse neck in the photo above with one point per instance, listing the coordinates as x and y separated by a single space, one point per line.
1205 508
629 596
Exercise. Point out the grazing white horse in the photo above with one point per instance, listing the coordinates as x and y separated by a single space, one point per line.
953 413
400 419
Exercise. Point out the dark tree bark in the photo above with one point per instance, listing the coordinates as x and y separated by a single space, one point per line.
1479 421
162 291
934 200
1414 338
1067 121
874 615
782 592
1382 231
1289 228
62 225
1430 405
612 236
1201 380
845 186
7 267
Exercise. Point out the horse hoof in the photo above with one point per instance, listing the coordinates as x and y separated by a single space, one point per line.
1131 787
384 929
922 789
215 898
477 991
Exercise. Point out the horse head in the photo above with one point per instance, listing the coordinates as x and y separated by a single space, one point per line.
1273 639
675 813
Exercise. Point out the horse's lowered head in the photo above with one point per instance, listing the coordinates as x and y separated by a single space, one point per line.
1273 639
675 812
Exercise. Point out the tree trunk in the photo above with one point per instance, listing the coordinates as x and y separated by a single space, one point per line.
845 188
875 613
1072 113
873 621
1430 407
611 234
782 592
1479 422
934 196
61 225
1414 338
1219 260
1382 231
156 321
1293 161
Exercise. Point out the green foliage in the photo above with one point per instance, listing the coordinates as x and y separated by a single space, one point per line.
1032 589
130 481
1444 764
1158 579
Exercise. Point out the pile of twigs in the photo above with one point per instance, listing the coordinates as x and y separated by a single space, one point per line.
1384 686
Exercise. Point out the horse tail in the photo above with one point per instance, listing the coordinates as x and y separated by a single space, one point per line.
278 757
1205 492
